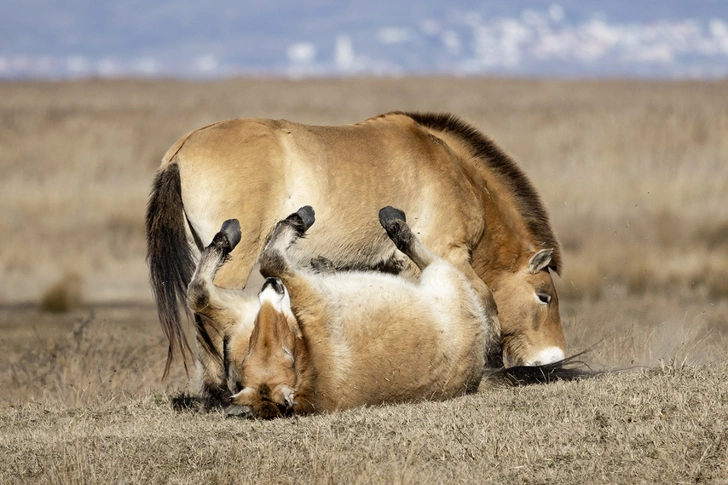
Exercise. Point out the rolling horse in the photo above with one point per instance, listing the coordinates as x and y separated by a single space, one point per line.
338 340
466 200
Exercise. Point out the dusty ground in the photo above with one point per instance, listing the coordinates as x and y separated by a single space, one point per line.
635 178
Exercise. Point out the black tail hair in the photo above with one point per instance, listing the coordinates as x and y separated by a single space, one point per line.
170 260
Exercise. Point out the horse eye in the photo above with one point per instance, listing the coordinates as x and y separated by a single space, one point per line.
543 298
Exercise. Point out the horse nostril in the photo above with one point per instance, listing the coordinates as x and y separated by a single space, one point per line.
275 283
278 286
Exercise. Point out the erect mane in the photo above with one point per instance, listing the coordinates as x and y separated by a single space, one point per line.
527 199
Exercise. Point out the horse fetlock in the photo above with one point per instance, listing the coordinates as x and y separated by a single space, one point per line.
273 263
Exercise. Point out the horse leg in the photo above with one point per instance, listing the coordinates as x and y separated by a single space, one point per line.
459 257
394 222
214 316
273 261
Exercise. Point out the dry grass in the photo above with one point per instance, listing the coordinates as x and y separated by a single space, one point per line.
62 296
634 175
659 427
85 406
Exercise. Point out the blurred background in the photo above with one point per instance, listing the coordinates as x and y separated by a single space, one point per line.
169 38
618 111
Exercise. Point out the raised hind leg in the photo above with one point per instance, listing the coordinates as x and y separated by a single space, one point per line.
394 222
217 312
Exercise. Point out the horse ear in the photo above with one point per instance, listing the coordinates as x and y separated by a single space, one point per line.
540 260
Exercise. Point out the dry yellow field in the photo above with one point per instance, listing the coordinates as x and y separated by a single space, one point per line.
635 175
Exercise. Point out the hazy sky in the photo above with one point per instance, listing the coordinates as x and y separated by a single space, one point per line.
89 37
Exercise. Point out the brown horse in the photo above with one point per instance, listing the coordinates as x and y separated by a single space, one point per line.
344 339
466 200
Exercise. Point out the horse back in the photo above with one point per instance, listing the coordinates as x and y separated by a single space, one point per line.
258 171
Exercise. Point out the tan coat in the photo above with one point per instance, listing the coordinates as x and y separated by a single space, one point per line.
466 199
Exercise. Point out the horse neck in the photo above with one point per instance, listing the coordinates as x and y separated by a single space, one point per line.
506 238
305 389
313 354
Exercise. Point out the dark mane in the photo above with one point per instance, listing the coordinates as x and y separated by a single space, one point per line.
529 203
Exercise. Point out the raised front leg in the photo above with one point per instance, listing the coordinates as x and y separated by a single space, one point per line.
273 260
493 340
202 292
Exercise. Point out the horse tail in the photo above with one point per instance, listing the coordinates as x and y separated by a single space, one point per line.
170 259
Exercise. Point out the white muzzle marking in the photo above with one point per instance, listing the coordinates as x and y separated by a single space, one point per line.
546 356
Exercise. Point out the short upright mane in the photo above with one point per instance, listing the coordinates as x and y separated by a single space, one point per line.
528 202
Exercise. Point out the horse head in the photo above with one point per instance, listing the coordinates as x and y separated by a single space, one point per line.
268 370
527 300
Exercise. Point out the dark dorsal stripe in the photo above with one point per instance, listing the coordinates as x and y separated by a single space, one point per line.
527 199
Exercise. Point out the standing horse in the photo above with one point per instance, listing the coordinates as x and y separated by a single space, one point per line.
466 200
344 339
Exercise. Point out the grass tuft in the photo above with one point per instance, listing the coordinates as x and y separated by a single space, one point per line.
62 296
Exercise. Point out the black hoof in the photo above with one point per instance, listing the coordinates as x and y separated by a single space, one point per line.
231 229
302 219
389 213
307 215
228 237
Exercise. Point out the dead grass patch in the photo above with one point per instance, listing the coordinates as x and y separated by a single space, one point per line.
662 426
82 403
64 295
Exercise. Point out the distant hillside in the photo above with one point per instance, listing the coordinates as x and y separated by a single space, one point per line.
49 39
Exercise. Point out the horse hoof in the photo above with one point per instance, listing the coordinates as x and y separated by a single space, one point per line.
389 213
231 229
307 215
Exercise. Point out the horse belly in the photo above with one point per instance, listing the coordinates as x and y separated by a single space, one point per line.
398 348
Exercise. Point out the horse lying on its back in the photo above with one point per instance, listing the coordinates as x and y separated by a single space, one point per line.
325 342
